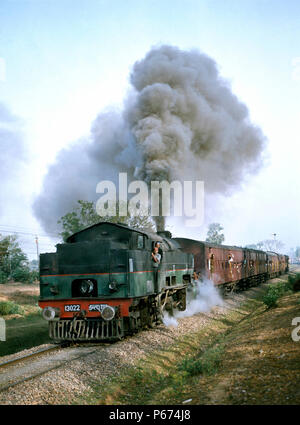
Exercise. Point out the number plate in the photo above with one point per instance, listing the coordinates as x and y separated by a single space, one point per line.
72 307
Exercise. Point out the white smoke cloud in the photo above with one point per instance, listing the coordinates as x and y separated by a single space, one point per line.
180 121
204 298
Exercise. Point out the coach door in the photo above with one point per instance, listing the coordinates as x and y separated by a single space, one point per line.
245 264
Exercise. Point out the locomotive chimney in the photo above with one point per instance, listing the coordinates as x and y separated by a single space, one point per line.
165 234
160 223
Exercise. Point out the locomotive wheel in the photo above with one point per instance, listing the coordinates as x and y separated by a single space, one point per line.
165 305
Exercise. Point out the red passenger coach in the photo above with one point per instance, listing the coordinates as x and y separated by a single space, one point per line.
227 266
282 263
277 264
273 264
223 264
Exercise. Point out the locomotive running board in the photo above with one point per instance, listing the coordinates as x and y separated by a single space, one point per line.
86 330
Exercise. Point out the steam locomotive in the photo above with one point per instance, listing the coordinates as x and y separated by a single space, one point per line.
100 284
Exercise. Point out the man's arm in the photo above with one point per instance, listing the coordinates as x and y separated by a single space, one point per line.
154 258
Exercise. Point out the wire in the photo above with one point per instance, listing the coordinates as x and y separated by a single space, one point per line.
28 239
27 233
23 229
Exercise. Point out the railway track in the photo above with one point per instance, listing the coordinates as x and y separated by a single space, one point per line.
27 356
30 366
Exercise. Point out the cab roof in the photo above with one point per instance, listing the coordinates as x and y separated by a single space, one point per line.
150 235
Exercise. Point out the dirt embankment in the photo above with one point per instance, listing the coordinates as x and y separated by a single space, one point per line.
20 293
261 363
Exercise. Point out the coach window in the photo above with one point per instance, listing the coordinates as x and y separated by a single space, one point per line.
211 263
140 242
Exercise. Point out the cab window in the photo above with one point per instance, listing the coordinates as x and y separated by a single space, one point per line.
140 242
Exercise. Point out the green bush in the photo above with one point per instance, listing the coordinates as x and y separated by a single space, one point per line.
9 307
24 275
275 291
191 365
34 275
270 299
207 364
21 274
294 282
3 277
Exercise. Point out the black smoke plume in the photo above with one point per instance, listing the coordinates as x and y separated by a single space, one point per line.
181 121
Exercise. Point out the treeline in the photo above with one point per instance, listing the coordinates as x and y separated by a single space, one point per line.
14 264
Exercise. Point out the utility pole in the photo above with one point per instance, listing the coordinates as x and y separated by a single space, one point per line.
37 250
9 257
275 242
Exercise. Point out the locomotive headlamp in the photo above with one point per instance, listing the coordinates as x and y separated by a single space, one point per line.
86 287
54 290
50 313
108 313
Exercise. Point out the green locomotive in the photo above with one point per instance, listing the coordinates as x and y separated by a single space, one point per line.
102 283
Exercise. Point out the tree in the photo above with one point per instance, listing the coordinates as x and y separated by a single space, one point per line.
268 245
297 252
14 263
272 245
85 215
214 234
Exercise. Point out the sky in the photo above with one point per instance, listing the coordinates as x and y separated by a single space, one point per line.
62 62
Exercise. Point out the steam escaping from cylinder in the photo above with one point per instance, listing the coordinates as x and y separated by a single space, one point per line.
180 121
202 300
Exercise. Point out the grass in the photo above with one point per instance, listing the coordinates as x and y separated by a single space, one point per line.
25 327
10 307
206 364
165 376
24 332
277 290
